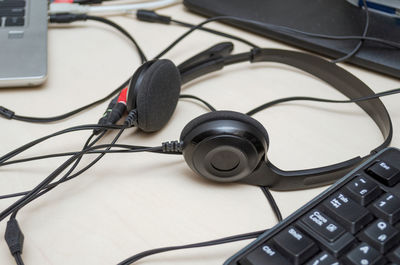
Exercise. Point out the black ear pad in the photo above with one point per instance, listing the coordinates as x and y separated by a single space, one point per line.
223 115
224 146
154 92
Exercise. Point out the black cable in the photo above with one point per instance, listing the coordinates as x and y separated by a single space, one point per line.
282 100
122 30
70 113
78 160
274 27
133 149
67 176
88 144
55 184
35 193
360 43
25 147
208 105
66 18
45 185
272 202
224 240
216 32
152 16
148 149
42 139
18 259
27 198
126 149
54 18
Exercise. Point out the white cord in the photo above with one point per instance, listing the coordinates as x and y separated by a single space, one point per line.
83 9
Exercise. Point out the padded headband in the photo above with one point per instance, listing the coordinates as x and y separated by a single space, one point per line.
337 77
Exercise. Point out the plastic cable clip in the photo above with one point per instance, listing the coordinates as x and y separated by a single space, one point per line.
6 113
14 237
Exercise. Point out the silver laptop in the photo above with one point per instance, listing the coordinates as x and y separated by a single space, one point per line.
23 42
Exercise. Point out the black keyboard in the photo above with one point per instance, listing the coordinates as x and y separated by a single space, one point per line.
12 13
354 222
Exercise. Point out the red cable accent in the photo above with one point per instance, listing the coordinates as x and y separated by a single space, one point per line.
122 95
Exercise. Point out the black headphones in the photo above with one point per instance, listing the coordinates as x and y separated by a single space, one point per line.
227 146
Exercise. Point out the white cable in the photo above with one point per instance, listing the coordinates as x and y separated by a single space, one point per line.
126 8
83 9
55 8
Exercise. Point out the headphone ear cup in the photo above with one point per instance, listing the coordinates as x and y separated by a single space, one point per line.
224 146
154 93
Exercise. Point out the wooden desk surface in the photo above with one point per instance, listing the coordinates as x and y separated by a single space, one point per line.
129 203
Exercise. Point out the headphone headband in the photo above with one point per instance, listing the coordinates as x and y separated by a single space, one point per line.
337 77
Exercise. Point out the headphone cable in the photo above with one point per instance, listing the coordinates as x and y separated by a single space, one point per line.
18 259
360 43
88 144
129 149
124 148
9 114
143 57
276 28
44 138
272 203
67 18
25 147
27 198
208 105
220 241
300 98
37 191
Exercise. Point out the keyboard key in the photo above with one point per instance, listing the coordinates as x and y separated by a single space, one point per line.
387 207
264 255
295 245
385 173
15 21
12 3
347 212
380 235
323 259
363 190
12 12
364 254
337 248
323 225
